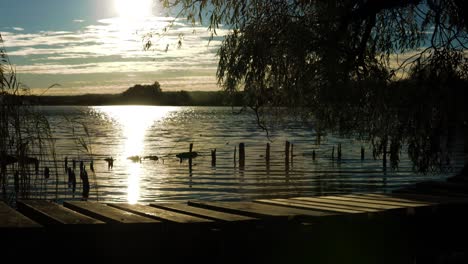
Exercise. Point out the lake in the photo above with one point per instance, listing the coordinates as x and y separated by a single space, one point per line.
96 133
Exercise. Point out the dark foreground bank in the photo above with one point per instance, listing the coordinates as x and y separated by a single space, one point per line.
370 228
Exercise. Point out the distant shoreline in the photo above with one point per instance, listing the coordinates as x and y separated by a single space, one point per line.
180 98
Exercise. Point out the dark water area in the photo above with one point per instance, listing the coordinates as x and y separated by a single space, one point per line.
85 133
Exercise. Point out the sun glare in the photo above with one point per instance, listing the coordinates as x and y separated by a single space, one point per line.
133 8
134 121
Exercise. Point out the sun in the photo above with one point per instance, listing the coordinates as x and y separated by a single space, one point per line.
133 8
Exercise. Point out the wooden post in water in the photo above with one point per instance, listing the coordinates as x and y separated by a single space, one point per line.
235 152
333 153
313 154
292 154
267 154
339 151
267 159
286 155
190 157
241 155
213 157
362 153
384 160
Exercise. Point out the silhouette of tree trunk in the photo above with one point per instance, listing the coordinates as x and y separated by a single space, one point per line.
313 56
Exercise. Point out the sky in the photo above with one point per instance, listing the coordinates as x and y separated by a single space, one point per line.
96 46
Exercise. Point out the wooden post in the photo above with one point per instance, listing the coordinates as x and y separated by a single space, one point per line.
213 157
292 154
384 160
241 155
235 152
313 154
286 155
339 151
362 153
190 157
286 160
333 152
267 154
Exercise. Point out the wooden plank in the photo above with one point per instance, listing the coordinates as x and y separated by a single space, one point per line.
326 202
108 214
11 219
49 213
160 214
202 212
308 206
377 200
399 199
360 202
259 210
435 199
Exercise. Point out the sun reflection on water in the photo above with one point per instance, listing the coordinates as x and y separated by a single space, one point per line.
134 121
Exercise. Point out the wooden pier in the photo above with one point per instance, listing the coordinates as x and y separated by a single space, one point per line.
370 227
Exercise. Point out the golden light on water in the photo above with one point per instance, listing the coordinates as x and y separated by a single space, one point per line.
133 189
134 122
133 8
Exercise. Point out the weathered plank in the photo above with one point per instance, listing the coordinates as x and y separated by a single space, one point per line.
108 214
435 199
331 203
304 205
160 214
49 213
10 219
359 203
399 198
377 200
202 212
259 210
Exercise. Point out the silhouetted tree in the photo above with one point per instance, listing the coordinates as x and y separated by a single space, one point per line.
335 61
143 90
143 94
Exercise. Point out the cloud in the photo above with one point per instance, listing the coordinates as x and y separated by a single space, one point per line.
115 83
78 21
116 45
114 37
18 28
401 62
114 67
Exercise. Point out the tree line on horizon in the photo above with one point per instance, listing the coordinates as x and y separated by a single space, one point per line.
144 94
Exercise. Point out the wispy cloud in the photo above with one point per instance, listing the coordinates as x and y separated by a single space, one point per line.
401 63
78 21
113 67
116 37
115 45
118 84
18 28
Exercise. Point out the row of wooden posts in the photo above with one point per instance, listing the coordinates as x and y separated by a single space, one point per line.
288 153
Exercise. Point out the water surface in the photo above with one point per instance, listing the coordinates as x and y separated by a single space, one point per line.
95 133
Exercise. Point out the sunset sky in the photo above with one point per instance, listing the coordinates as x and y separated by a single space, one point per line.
96 46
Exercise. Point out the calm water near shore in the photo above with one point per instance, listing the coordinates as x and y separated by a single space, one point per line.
124 131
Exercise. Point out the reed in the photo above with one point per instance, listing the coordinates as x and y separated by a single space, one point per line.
26 143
